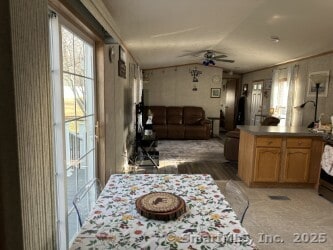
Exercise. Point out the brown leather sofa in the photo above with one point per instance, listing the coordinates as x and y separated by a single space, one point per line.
179 122
231 144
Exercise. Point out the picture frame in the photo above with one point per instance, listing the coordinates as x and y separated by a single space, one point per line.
321 77
122 54
122 63
215 92
122 69
268 84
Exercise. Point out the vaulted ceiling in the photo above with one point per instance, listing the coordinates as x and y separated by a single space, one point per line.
159 32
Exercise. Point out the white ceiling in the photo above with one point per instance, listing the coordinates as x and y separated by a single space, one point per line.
157 32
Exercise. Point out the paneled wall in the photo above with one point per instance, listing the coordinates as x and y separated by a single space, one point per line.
33 142
173 87
119 98
301 117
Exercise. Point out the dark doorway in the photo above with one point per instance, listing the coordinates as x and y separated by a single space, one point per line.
231 107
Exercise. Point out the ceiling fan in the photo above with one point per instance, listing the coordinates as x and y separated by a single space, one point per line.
210 56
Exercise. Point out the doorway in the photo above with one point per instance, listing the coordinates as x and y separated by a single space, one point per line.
231 107
256 104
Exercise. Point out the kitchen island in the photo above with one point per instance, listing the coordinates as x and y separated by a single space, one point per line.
279 156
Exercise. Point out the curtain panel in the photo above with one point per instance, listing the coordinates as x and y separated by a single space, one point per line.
282 96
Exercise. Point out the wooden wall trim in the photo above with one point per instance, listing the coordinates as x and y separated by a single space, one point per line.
289 61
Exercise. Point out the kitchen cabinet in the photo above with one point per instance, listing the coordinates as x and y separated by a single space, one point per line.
278 159
267 165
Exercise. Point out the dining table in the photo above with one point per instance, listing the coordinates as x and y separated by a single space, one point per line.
209 221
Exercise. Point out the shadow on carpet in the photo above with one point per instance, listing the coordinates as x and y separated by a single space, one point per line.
218 170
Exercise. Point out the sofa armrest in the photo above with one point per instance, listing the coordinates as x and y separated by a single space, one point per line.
233 134
205 121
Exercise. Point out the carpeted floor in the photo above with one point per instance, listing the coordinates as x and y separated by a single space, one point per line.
191 150
193 157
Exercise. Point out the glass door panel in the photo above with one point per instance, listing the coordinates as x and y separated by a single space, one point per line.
73 83
79 120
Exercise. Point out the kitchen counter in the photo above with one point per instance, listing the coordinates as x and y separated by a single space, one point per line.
278 131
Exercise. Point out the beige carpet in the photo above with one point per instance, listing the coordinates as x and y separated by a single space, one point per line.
193 157
191 150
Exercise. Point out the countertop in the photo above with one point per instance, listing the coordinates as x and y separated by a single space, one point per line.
278 131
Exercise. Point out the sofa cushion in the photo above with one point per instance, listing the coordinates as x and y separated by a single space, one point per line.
196 132
159 114
161 131
233 134
176 131
193 115
174 115
270 121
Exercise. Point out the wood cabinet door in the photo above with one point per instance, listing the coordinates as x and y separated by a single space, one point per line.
296 167
267 165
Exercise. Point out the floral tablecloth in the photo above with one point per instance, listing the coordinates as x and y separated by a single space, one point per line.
209 223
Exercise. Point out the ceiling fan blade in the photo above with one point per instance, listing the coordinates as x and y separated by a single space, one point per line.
216 51
225 60
193 53
220 56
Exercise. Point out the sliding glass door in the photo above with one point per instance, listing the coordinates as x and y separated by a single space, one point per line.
74 115
79 117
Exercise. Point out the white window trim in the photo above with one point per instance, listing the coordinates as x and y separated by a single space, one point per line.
59 119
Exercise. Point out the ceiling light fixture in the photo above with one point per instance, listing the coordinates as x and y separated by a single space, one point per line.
275 39
206 62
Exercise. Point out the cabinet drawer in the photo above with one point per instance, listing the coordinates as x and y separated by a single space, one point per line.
298 143
269 142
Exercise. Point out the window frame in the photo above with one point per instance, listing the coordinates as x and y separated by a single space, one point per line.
62 211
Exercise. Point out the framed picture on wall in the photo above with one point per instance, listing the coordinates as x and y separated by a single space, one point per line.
122 54
215 92
122 69
268 84
321 78
122 63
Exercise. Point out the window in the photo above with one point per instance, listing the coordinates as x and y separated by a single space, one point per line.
281 100
72 68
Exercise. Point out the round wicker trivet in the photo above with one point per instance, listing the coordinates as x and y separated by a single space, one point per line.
160 206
